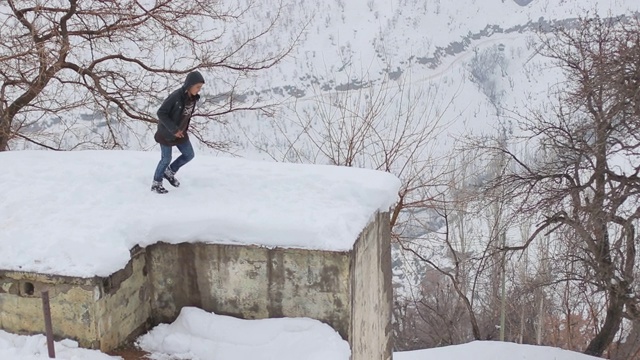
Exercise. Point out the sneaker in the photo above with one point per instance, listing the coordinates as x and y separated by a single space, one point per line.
171 177
157 187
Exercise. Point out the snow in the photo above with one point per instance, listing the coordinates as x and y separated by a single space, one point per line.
20 347
49 227
492 350
79 213
361 39
197 334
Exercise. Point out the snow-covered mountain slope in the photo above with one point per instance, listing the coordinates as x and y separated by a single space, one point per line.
469 59
354 41
471 63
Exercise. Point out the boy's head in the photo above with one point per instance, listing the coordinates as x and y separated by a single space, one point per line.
193 83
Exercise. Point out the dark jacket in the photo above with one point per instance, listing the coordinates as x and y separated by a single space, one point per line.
170 112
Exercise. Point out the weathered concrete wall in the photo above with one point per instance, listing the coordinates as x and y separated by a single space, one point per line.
371 333
350 291
251 282
124 309
99 313
72 305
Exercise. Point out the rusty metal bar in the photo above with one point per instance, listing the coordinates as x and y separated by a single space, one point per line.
46 308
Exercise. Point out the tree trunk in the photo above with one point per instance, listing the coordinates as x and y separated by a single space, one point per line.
603 339
475 329
4 131
540 325
630 348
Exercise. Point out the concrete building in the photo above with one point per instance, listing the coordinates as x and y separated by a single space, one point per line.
349 289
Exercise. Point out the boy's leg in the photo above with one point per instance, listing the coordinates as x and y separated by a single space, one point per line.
165 159
186 155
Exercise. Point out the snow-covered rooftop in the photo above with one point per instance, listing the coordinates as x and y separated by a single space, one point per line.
79 213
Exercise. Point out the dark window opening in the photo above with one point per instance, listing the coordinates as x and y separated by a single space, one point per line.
28 288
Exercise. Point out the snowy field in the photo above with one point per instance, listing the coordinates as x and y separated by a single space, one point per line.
492 350
197 335
79 213
16 347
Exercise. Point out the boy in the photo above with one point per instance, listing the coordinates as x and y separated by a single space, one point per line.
174 117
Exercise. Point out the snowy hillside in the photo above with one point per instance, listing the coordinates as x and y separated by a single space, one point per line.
429 48
352 40
464 65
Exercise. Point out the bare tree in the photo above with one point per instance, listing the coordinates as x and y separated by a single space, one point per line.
585 179
119 58
387 125
459 239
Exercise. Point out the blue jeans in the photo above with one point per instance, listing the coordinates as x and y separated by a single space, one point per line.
186 155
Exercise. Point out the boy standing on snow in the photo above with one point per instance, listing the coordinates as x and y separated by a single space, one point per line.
174 116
